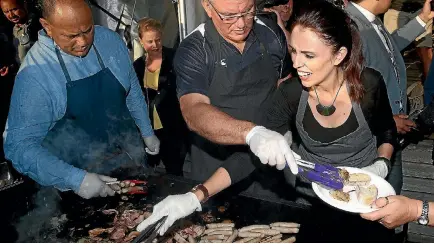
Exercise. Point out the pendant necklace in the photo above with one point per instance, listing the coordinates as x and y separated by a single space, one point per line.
327 110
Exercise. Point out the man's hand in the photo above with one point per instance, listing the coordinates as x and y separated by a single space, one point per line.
4 71
427 14
400 210
94 185
174 207
152 145
271 148
403 124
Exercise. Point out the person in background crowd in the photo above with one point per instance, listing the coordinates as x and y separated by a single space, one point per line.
402 12
76 106
226 71
26 25
283 10
158 82
381 51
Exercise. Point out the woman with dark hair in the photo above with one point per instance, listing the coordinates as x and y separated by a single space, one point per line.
337 110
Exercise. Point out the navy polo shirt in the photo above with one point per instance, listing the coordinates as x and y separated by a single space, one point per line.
196 58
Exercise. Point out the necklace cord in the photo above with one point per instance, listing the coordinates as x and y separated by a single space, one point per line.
334 100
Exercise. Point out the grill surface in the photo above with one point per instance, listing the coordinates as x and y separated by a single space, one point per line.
73 217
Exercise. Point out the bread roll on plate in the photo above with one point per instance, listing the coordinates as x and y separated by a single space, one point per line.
367 195
358 179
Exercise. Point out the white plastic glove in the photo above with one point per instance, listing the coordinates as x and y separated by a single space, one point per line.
271 148
94 185
174 207
379 168
152 145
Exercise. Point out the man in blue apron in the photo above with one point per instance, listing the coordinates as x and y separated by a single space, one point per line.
77 112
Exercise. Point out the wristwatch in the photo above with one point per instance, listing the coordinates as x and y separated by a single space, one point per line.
204 191
423 219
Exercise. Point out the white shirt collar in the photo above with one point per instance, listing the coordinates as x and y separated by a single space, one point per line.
370 16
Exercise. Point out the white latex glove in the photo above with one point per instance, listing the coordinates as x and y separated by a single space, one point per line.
379 168
271 148
94 185
152 145
174 207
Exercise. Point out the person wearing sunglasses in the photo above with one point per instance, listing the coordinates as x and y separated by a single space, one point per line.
226 71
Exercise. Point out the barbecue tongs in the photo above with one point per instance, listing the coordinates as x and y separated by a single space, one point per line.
150 233
325 175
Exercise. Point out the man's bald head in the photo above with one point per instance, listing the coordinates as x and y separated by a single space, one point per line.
69 23
51 8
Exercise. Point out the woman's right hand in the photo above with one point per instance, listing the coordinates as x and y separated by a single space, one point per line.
174 207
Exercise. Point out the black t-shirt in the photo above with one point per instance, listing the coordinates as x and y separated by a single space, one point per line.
319 133
195 58
375 107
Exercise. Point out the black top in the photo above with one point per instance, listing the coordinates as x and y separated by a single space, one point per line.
195 58
165 98
375 107
321 134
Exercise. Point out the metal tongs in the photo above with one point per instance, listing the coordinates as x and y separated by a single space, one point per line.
326 175
150 233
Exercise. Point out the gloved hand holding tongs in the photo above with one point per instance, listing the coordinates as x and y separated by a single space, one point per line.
325 175
131 187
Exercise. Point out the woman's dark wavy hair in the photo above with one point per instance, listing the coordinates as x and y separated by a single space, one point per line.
336 29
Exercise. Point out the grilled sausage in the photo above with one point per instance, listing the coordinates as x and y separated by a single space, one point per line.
220 225
214 237
255 240
289 240
221 232
285 230
285 224
266 232
208 231
252 227
191 239
179 238
244 240
272 238
250 234
232 237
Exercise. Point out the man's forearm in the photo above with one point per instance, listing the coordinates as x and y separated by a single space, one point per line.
219 181
215 125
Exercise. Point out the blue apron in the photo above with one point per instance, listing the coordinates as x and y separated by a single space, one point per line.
97 132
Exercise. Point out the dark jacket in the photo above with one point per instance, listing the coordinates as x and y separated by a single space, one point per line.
165 98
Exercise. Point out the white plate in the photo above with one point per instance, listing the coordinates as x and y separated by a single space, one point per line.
353 206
